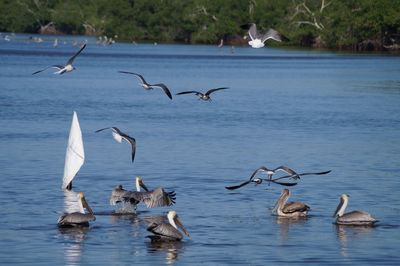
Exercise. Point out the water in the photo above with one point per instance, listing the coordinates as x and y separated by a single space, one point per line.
308 110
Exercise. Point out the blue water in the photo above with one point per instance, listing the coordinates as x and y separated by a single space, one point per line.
311 111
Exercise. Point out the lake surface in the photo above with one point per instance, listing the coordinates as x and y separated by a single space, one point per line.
311 111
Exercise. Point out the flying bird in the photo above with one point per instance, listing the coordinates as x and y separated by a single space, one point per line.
270 172
68 67
118 135
258 39
202 96
148 86
353 217
167 231
290 209
80 218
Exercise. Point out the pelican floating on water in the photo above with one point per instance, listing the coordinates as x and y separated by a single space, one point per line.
68 67
353 217
167 231
148 86
202 96
118 135
290 209
258 39
77 218
151 198
270 172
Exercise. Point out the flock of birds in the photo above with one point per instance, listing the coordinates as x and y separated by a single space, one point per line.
168 230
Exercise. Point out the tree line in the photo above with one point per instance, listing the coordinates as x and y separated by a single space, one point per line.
333 24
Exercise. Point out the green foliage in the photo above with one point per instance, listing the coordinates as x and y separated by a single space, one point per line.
324 23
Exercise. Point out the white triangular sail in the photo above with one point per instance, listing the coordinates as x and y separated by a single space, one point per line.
75 155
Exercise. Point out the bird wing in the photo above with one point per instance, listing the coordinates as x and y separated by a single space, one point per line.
131 141
117 195
136 74
317 173
187 92
288 170
71 60
152 199
158 198
164 88
165 230
253 31
262 168
295 207
53 66
102 129
271 34
217 89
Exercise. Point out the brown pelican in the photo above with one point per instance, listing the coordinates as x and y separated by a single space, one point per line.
151 198
118 135
351 218
291 209
118 193
258 39
77 218
148 86
68 67
270 172
202 96
167 231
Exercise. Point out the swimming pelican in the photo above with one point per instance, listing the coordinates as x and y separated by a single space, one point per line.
351 218
77 218
68 67
168 231
270 172
202 96
118 135
290 209
148 86
151 198
258 39
118 193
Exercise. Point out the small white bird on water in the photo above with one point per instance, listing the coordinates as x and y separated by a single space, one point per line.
68 67
258 39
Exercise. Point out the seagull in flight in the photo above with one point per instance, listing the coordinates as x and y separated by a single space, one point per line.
270 172
148 86
258 39
68 67
118 135
202 96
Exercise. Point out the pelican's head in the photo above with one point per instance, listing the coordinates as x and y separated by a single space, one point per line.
344 199
140 184
174 220
285 194
81 195
84 204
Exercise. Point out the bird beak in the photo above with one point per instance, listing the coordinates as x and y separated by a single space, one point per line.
86 205
180 225
142 185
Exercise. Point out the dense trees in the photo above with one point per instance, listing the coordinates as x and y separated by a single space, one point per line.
350 24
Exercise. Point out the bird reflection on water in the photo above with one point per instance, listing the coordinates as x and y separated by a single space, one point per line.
74 238
285 223
346 234
171 250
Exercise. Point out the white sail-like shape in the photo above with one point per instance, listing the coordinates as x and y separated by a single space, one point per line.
75 155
